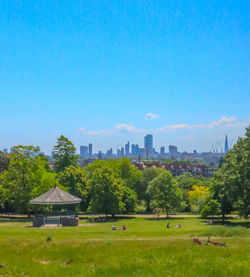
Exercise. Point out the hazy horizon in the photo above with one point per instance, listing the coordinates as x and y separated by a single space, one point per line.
108 73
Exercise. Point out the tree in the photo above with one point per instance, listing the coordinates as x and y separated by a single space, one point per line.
25 178
149 174
65 154
74 179
213 207
129 199
186 182
232 180
4 162
106 188
131 176
165 192
197 196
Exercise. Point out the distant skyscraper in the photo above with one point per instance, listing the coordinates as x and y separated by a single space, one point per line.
172 150
133 149
127 149
90 150
148 145
122 151
83 151
226 144
52 154
162 150
5 150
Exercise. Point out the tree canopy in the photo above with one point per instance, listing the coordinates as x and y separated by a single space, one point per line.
64 154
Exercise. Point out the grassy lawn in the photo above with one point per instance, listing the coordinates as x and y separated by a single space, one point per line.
146 248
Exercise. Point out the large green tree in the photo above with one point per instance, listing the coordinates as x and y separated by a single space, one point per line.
165 192
149 174
25 178
105 188
232 180
65 154
74 179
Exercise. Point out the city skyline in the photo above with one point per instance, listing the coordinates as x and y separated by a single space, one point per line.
111 72
133 149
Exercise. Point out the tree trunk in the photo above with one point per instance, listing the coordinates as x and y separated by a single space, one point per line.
223 217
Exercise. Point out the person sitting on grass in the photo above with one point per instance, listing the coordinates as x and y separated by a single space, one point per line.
168 226
196 240
178 226
113 227
124 228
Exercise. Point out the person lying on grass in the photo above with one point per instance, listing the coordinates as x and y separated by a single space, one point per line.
178 226
113 227
215 243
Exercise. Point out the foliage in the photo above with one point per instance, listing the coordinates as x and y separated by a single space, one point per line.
213 207
232 180
106 188
129 199
149 174
65 154
165 192
25 178
197 196
74 179
186 182
4 161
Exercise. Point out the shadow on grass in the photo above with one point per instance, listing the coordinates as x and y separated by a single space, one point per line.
107 219
227 223
165 218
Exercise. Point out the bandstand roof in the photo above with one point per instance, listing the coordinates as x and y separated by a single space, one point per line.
55 196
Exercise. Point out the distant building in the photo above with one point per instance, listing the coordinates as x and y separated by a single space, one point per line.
148 145
127 149
226 145
162 150
99 155
122 151
90 150
52 154
172 150
133 151
5 150
83 151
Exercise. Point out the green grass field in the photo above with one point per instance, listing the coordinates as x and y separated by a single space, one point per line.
146 248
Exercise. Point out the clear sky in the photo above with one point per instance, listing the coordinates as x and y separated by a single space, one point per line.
110 71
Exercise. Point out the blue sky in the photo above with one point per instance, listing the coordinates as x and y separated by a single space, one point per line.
110 71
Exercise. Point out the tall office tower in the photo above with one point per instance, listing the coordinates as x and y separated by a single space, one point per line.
90 150
5 150
127 149
133 151
52 154
148 145
136 149
172 150
162 150
226 144
83 151
122 151
118 152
